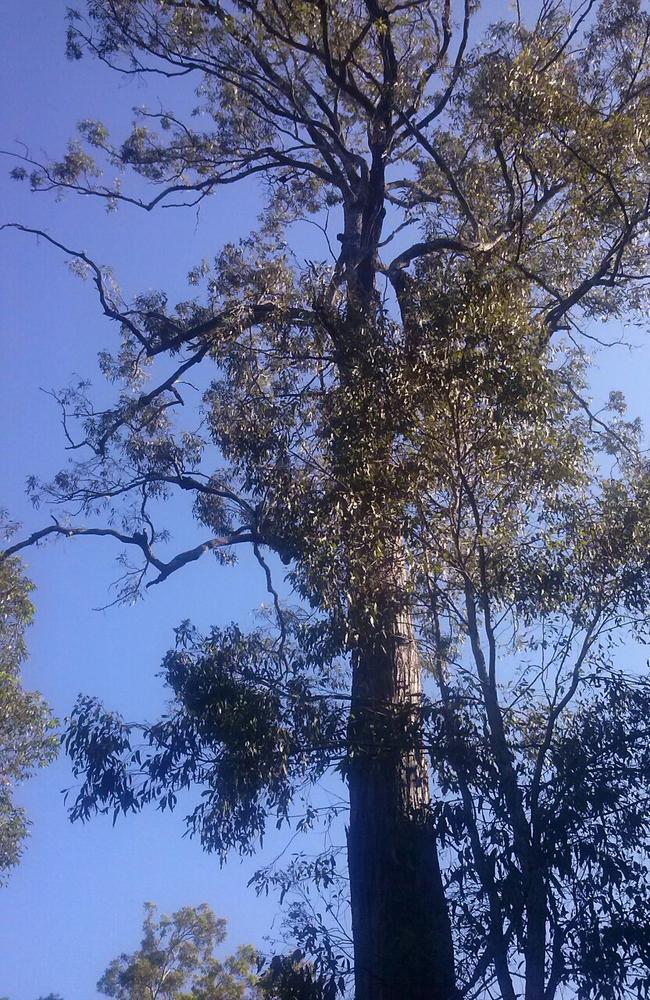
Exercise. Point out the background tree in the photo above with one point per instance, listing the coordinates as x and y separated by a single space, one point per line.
176 960
513 173
27 739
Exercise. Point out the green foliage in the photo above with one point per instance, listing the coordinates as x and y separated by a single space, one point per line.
176 961
27 740
251 724
425 461
289 978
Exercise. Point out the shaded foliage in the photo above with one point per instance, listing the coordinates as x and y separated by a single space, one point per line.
252 724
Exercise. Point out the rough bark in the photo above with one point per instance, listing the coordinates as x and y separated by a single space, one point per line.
402 934
401 928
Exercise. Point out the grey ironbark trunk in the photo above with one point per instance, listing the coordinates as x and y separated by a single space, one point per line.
402 935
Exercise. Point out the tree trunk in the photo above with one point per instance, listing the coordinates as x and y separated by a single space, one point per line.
535 952
402 936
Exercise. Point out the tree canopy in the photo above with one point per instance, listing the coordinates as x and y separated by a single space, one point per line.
405 427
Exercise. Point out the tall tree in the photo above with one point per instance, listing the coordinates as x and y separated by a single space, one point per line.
533 596
530 587
513 172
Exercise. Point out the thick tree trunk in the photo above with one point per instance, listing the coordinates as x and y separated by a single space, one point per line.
402 935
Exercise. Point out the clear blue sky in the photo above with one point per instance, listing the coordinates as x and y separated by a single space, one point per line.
75 902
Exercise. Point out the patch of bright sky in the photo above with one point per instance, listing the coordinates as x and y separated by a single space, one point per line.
75 901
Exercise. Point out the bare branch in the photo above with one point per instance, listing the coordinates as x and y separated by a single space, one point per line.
138 539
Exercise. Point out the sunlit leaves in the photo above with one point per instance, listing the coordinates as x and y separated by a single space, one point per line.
27 740
176 960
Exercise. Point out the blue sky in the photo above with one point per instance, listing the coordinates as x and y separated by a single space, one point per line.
76 900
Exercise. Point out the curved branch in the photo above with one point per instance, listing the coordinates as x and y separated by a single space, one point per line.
139 540
98 279
247 166
249 313
438 245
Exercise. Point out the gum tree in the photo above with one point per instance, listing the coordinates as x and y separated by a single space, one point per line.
489 192
176 960
529 591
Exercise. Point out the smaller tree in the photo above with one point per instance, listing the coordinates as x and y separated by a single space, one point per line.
176 961
27 740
